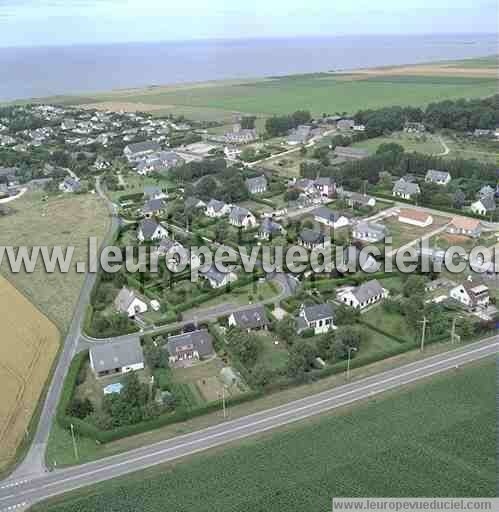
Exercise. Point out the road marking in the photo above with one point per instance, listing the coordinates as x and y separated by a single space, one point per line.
293 413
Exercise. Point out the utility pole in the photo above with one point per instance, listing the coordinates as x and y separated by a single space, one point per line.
223 402
424 322
454 336
350 350
75 447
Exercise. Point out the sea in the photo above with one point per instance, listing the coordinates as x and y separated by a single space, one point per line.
31 72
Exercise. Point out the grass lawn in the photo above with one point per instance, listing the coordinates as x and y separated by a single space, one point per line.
272 356
433 438
427 144
136 184
376 343
470 148
63 220
315 92
403 233
391 323
243 295
393 284
446 240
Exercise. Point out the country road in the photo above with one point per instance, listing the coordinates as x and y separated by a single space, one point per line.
21 494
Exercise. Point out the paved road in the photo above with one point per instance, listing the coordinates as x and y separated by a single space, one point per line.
34 460
28 492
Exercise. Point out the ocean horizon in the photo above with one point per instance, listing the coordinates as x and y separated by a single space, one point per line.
35 72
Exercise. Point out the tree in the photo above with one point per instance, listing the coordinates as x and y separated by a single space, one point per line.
414 285
248 122
246 346
133 392
345 315
301 357
261 375
350 336
80 408
390 147
286 329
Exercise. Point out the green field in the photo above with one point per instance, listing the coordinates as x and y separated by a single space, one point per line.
436 438
427 144
317 92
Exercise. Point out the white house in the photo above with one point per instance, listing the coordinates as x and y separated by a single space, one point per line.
414 217
369 232
364 295
128 302
438 177
329 218
190 345
465 226
484 205
256 185
117 357
217 209
150 230
471 295
405 189
218 279
319 317
70 185
251 318
242 218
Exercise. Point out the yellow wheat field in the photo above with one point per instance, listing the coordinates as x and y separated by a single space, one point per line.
28 346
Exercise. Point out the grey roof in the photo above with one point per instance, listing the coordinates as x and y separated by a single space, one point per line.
167 244
311 236
367 290
201 341
72 183
318 312
216 205
123 300
256 183
320 182
487 190
153 205
251 318
116 354
152 190
193 202
148 227
406 187
489 203
269 226
434 175
371 227
238 214
345 124
355 197
141 147
349 152
214 274
326 213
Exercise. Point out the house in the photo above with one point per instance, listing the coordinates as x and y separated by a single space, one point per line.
129 303
268 229
218 279
190 345
175 253
68 124
153 192
311 239
354 259
484 205
193 203
471 295
153 207
101 163
438 177
350 153
482 133
160 161
359 127
240 135
412 127
257 185
364 295
217 209
486 191
414 217
325 186
139 150
370 232
242 218
319 317
356 200
405 189
150 230
232 152
70 185
330 218
249 319
345 124
465 226
299 135
117 357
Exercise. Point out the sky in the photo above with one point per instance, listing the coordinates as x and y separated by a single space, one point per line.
61 22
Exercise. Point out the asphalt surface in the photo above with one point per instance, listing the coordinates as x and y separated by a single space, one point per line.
26 492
